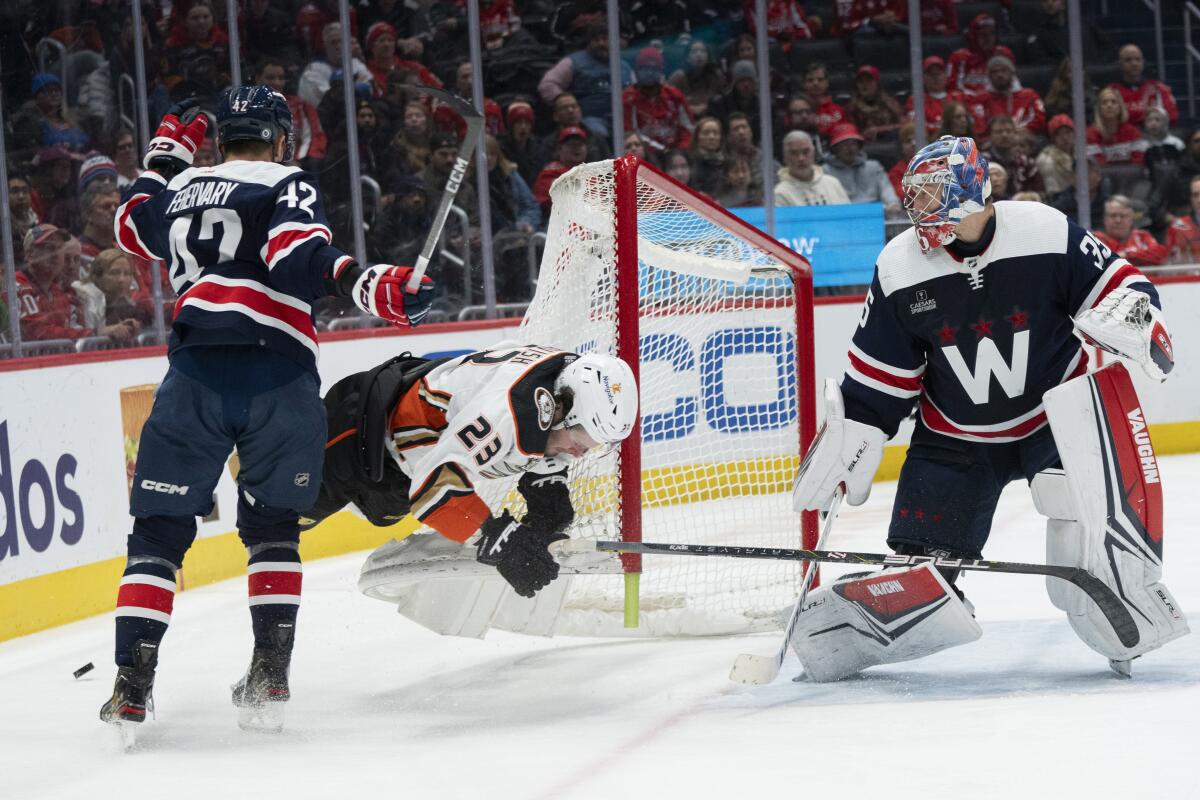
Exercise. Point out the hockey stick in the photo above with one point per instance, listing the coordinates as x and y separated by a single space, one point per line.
457 173
1105 599
756 669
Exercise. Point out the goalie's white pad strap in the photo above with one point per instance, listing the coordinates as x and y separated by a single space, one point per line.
1113 525
1127 324
889 616
844 452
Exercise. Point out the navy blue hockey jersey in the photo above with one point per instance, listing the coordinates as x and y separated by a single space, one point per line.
247 246
978 342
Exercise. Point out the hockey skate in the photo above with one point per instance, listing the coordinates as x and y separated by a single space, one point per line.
133 693
260 694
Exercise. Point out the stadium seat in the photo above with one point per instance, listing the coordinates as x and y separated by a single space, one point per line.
885 152
941 45
831 52
897 82
1037 76
885 52
1025 15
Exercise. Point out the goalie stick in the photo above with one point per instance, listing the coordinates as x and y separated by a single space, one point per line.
1105 599
457 174
756 669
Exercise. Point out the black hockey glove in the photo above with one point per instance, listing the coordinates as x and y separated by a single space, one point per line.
548 500
518 553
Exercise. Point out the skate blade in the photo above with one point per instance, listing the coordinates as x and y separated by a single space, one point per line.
1124 669
127 733
265 718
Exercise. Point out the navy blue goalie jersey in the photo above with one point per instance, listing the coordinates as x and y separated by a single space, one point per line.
247 247
978 342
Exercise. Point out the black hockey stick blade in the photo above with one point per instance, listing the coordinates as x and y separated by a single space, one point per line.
458 172
1105 599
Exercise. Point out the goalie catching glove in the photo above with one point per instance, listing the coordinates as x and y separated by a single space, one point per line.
175 142
518 552
1125 323
380 291
845 452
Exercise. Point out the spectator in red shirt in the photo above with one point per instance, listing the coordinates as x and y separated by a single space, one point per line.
656 109
1140 93
1023 106
49 308
816 89
869 16
786 21
1110 137
968 65
936 95
572 149
382 58
1183 236
1137 246
874 111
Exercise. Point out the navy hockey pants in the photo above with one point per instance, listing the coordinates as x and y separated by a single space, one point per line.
949 488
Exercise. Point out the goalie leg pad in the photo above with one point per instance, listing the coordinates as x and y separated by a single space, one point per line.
882 618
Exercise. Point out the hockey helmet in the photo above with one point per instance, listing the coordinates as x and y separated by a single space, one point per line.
945 181
256 114
604 397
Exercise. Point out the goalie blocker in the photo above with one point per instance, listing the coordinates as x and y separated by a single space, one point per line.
1104 511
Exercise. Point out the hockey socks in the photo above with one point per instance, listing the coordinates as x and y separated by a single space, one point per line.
274 577
144 602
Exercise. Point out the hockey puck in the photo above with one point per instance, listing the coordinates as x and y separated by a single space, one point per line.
84 670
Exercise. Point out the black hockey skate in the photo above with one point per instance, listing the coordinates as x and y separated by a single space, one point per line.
133 692
260 694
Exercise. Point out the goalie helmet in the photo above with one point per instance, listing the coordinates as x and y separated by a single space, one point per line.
256 114
945 181
604 397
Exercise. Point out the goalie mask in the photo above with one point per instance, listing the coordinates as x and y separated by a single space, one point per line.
945 181
604 397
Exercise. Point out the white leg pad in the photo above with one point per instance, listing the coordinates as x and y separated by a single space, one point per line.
886 617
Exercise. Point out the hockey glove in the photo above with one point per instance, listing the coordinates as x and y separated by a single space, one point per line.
1125 323
548 500
518 553
845 453
380 291
175 142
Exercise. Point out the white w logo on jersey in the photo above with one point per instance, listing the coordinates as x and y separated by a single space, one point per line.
989 362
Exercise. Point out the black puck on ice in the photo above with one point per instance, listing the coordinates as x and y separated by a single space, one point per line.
84 670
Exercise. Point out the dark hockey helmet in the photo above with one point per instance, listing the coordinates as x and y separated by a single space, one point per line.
256 114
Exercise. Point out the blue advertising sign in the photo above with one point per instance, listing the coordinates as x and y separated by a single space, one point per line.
842 242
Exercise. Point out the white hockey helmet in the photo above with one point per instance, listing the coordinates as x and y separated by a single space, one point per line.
604 397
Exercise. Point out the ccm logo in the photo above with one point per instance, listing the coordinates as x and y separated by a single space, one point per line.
165 488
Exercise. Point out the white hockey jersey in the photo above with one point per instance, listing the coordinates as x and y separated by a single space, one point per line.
484 414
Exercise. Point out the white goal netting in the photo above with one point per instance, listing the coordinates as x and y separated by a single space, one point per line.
716 318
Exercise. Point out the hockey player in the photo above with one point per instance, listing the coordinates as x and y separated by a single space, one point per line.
416 436
970 316
247 245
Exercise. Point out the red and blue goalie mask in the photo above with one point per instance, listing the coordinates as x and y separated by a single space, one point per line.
945 181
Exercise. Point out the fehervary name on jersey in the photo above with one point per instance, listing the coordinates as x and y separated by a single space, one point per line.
1137 427
201 193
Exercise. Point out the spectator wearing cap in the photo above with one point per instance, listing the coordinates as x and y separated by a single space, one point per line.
802 182
707 160
49 308
936 95
443 152
1111 139
908 148
968 65
656 109
311 144
1022 106
584 73
1136 246
786 21
742 96
572 150
125 156
864 179
568 114
43 122
1183 235
1004 148
20 209
876 113
1056 162
106 294
700 78
382 58
1139 92
816 89
317 74
517 142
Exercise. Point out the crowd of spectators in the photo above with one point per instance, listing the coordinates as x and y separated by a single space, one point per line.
842 120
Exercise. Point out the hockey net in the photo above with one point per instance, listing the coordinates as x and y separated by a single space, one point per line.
715 318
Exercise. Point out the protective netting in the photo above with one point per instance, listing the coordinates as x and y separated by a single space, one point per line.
717 355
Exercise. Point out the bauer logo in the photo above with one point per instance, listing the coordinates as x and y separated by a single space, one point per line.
37 505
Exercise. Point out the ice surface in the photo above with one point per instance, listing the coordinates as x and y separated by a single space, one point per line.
382 708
